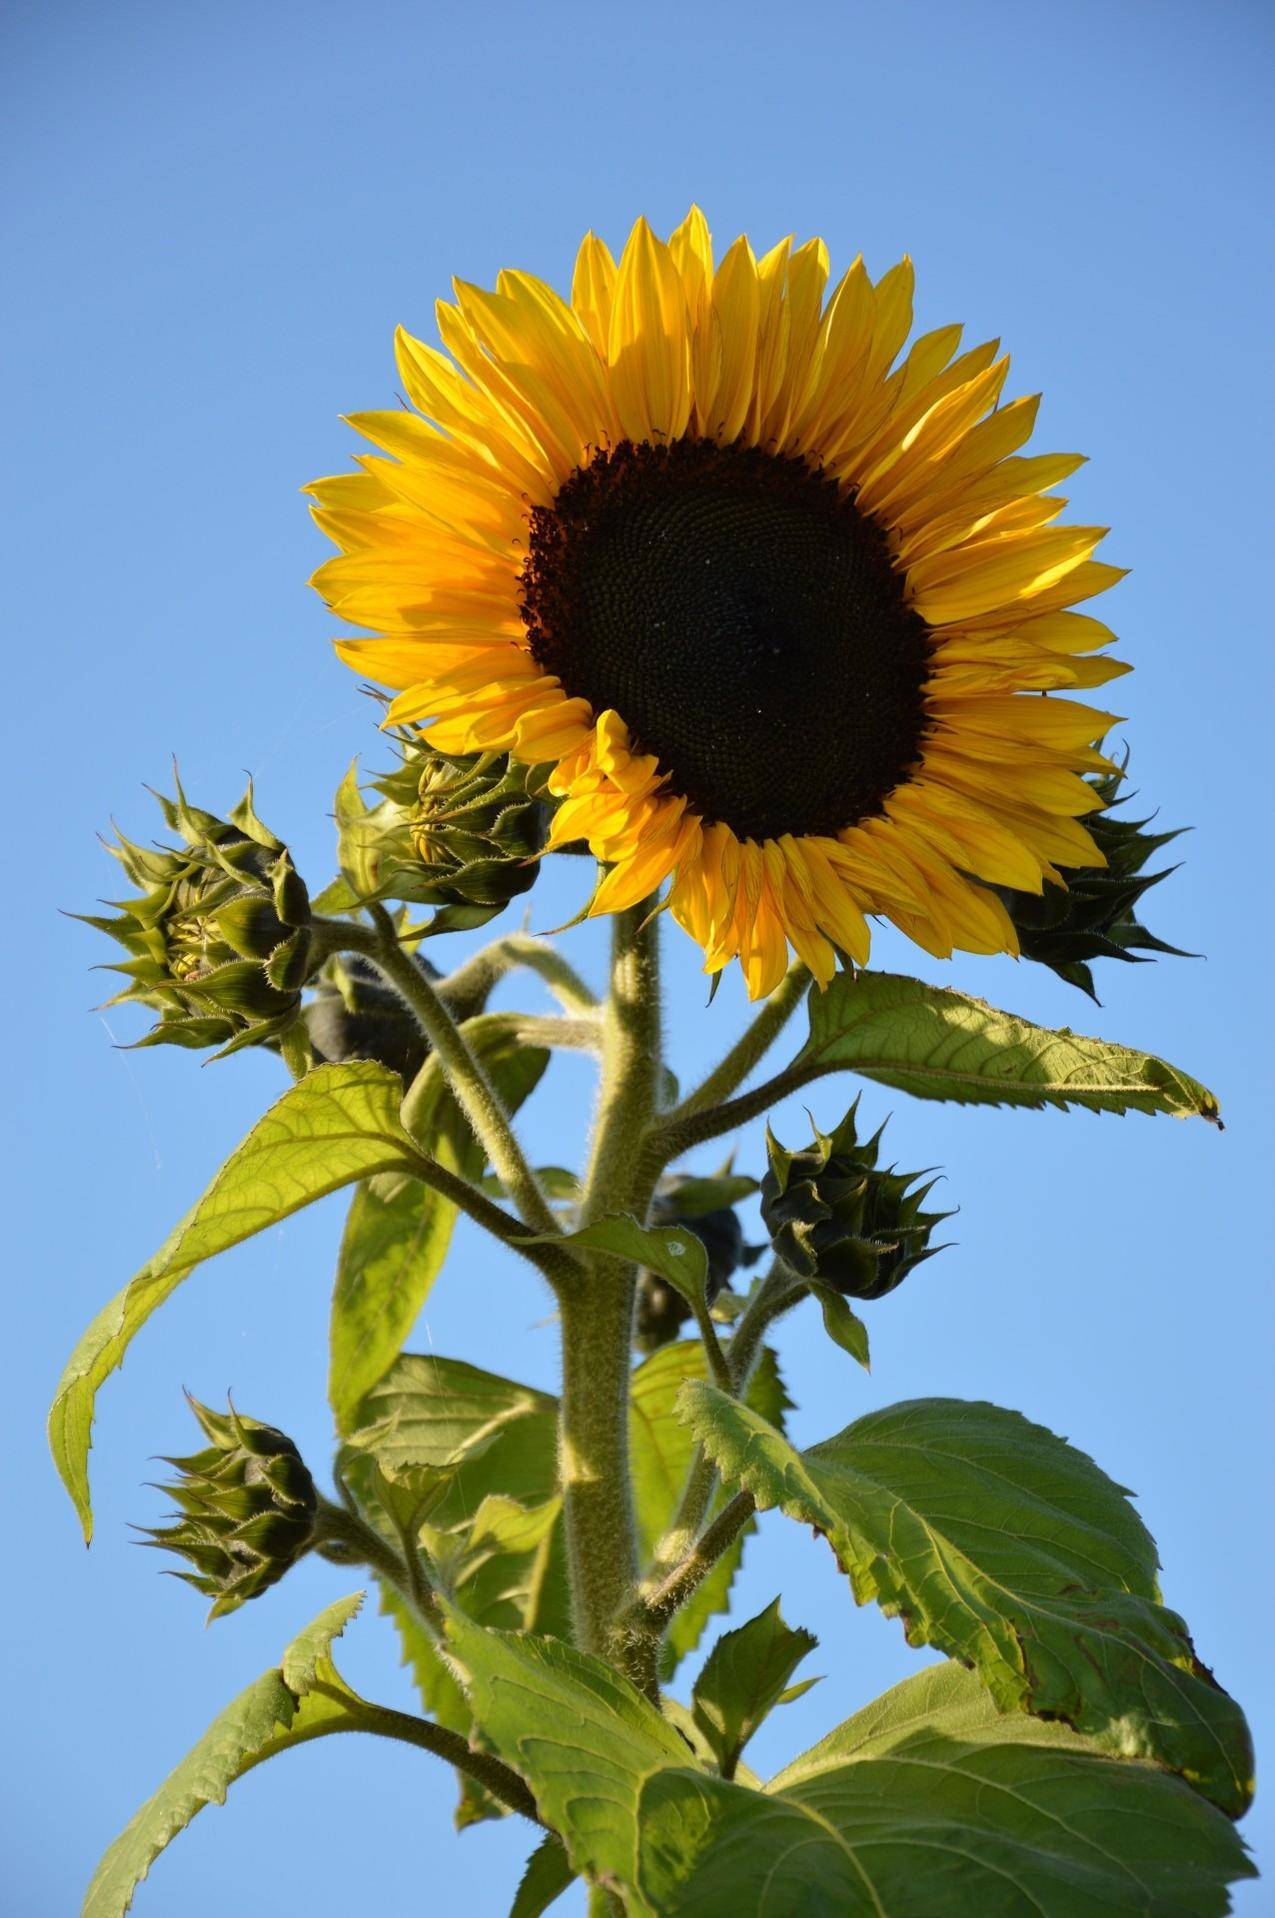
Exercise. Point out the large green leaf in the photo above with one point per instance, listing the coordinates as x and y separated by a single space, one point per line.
930 1802
578 1733
1000 1544
660 1452
941 1044
300 1699
398 1232
338 1124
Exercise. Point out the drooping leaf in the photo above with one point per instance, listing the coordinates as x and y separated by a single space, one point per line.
660 1452
843 1326
1000 1544
743 1679
941 1044
931 1802
547 1876
337 1125
398 1232
576 1731
280 1709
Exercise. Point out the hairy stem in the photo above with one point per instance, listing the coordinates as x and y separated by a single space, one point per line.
630 1062
679 1130
668 1597
468 988
495 1777
750 1047
597 1305
342 1534
474 1091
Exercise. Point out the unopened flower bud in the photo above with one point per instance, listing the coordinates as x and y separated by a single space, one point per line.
834 1215
246 1509
461 834
353 1015
1093 914
219 936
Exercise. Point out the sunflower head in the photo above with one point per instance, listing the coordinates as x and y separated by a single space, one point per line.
246 1507
835 1215
219 934
761 587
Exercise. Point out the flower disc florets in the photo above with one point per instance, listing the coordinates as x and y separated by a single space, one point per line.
219 937
835 1216
246 1509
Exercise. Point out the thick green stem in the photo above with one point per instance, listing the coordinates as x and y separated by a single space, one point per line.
630 1062
597 1304
596 1318
474 1091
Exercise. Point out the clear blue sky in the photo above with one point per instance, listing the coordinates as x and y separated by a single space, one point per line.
215 218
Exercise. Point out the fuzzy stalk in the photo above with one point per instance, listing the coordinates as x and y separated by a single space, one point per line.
597 1305
474 1091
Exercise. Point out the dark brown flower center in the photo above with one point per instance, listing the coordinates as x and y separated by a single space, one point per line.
746 622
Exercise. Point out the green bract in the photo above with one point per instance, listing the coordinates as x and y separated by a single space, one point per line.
1093 915
219 936
246 1507
834 1215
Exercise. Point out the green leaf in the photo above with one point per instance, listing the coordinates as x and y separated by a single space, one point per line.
676 1254
547 1876
660 1451
940 1044
844 1327
1000 1544
576 1731
495 1533
743 1679
715 1192
930 1802
281 1709
338 1124
396 1240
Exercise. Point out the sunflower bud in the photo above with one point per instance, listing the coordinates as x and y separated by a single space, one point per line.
246 1509
460 834
1093 915
353 1016
219 936
682 1199
834 1215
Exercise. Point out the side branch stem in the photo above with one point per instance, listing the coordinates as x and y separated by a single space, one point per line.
680 1130
749 1048
474 1091
672 1593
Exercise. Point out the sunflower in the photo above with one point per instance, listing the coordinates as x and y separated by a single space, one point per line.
775 601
